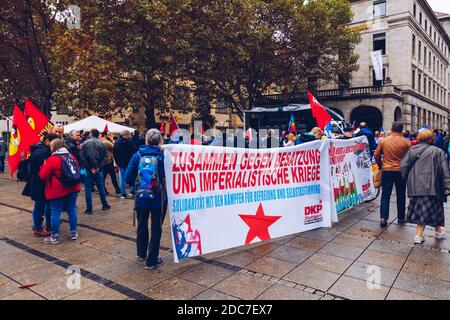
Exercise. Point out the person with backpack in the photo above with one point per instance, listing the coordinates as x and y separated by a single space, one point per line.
61 174
146 168
123 151
3 150
93 155
35 187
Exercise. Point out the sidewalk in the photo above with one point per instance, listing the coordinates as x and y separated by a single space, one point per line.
319 264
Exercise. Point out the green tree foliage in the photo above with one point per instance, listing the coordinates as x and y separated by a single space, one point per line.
136 53
27 31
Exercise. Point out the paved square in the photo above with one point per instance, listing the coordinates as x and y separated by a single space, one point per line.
325 264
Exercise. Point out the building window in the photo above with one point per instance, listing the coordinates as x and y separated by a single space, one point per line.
420 50
429 60
420 18
419 82
414 9
379 9
414 79
435 37
434 65
426 25
424 85
378 83
425 55
379 42
414 45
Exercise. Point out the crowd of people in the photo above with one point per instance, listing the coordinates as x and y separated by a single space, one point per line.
58 165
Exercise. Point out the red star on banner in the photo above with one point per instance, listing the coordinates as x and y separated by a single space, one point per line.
259 225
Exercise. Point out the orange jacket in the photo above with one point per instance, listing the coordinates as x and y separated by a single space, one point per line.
393 148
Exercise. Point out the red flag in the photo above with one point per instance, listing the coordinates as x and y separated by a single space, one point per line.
162 129
37 120
318 112
106 130
173 124
21 137
203 130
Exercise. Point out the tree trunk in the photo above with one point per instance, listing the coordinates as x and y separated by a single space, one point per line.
150 120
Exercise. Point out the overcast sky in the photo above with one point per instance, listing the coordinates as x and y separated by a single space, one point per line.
440 5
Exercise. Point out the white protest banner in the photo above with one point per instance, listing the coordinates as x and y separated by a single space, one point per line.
351 173
377 62
220 198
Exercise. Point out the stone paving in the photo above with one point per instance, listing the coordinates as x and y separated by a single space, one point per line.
326 264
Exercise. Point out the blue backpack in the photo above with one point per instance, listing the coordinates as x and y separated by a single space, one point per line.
70 172
148 184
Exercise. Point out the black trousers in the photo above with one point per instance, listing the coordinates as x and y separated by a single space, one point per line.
143 245
109 169
388 179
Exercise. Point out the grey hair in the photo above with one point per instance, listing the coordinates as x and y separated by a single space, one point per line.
72 132
153 137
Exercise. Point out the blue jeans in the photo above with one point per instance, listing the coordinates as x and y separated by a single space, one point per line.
41 209
142 242
100 182
123 185
388 178
70 204
2 164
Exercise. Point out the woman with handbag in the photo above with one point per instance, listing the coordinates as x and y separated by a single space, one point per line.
426 169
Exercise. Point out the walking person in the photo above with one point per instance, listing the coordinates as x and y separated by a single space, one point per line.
3 150
123 151
61 175
93 155
426 169
35 186
109 168
388 156
147 167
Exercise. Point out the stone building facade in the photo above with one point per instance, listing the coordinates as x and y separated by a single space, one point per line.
416 68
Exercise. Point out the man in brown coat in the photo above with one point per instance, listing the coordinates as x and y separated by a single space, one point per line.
388 156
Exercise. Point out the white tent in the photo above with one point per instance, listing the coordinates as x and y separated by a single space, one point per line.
94 122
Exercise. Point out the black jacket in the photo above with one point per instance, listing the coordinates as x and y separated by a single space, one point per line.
123 151
93 154
35 187
137 141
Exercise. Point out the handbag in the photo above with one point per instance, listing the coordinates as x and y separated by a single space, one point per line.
377 174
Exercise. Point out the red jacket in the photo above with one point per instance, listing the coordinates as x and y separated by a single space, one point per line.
49 172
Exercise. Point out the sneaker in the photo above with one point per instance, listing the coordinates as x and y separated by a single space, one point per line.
73 235
106 207
141 259
131 195
41 233
51 240
383 223
440 235
123 196
159 263
419 240
88 211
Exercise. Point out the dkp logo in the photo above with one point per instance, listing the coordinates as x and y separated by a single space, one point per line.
74 278
374 277
73 20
